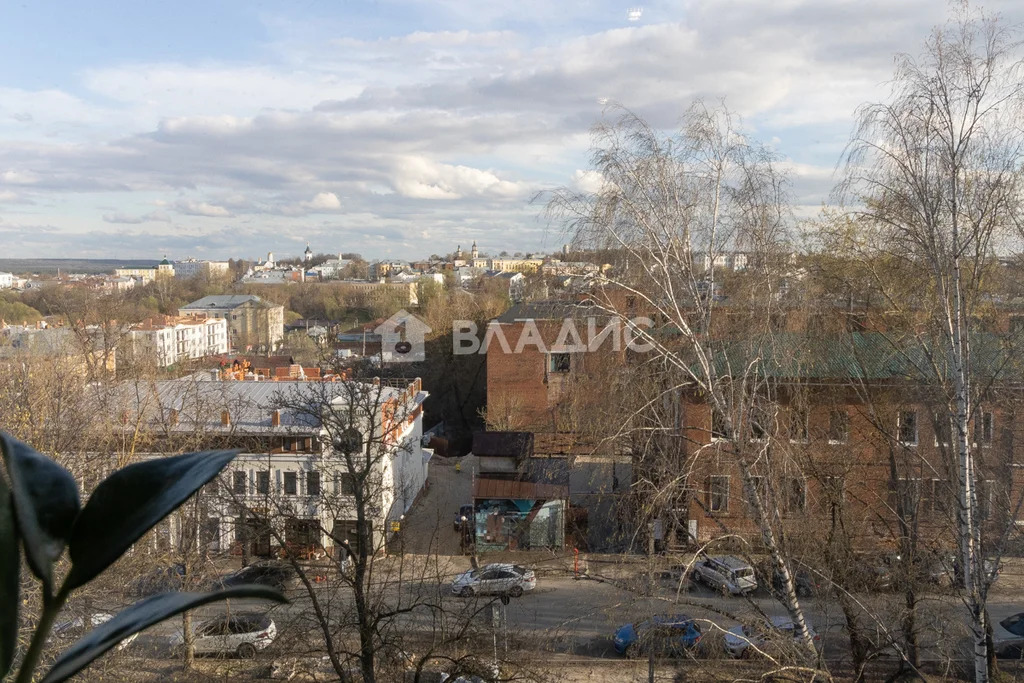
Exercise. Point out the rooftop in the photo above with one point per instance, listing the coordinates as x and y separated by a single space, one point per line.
221 301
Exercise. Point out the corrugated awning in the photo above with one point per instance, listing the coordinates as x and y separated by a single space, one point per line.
518 490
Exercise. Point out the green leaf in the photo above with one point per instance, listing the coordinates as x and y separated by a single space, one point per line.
130 502
139 617
9 565
45 504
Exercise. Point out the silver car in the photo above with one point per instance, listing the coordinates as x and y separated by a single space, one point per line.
239 634
743 640
495 579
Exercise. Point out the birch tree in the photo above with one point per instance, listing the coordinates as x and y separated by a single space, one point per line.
675 211
932 176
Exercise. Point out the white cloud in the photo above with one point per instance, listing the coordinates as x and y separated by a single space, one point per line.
194 208
421 178
368 135
129 219
324 201
588 181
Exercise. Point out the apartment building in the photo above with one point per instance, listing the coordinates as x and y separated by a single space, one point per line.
169 340
252 322
190 268
290 483
848 424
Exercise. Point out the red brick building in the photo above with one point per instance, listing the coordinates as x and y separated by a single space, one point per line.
850 434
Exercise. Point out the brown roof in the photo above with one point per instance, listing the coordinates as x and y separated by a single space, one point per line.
517 490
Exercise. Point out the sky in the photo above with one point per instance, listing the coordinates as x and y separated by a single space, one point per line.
394 128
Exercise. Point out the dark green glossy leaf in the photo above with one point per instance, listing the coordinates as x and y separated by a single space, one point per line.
139 617
9 556
45 504
130 502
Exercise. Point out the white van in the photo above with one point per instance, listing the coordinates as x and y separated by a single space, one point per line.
726 573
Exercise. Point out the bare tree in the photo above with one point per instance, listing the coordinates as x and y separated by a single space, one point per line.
677 212
935 173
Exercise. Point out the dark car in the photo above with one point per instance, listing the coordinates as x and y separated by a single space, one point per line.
159 580
1008 637
806 585
464 511
273 574
664 634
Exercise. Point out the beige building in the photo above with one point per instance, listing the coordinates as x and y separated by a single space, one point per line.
252 322
149 273
516 265
405 292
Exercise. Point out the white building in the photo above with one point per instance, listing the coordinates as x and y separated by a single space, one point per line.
292 473
170 340
190 268
6 280
331 269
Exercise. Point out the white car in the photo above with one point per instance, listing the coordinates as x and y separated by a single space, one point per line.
775 632
726 573
73 629
495 579
239 634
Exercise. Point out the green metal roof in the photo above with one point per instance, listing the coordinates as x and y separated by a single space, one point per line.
865 356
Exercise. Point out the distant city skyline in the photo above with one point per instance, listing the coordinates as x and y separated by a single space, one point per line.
397 128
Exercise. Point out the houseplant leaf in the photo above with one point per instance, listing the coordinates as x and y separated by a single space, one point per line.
9 566
130 502
45 504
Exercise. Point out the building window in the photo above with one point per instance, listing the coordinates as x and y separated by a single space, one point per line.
263 482
984 429
758 421
718 432
312 483
986 493
559 362
906 428
833 493
344 484
291 483
796 494
238 483
798 420
757 488
838 426
718 493
943 430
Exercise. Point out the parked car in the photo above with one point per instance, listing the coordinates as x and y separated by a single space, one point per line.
807 586
238 634
664 634
464 511
273 574
726 573
76 627
495 579
763 635
1008 637
159 580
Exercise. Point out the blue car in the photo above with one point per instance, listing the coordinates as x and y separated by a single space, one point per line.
666 634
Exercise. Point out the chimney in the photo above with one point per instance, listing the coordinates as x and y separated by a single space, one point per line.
225 418
275 418
172 416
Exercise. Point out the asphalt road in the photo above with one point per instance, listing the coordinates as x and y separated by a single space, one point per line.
580 616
